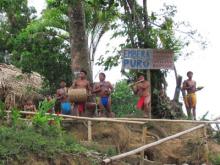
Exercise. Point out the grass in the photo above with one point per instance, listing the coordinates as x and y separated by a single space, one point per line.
18 142
215 159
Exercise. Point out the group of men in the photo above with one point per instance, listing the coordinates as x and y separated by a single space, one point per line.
103 89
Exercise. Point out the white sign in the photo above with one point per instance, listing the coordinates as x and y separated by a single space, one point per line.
147 59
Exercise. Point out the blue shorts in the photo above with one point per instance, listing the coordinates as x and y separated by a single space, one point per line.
66 108
104 101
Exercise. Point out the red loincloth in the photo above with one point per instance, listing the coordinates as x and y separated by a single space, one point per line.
81 107
140 102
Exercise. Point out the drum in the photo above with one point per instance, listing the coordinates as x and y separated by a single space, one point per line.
77 95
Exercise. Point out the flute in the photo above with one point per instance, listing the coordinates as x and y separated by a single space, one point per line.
132 84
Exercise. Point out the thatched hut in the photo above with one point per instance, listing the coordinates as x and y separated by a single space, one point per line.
16 87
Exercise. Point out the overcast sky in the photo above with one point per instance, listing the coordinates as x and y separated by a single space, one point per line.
203 16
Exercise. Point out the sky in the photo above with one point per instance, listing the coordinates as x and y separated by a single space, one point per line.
203 16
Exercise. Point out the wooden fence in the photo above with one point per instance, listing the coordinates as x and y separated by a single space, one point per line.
137 121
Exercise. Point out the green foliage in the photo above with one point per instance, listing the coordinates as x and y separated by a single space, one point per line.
15 115
16 144
2 110
41 120
45 50
15 15
215 159
124 101
217 136
111 151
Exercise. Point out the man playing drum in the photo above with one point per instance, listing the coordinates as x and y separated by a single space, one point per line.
103 90
81 83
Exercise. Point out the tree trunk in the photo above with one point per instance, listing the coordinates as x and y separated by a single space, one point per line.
78 39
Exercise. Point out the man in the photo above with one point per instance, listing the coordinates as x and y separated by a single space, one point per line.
141 89
29 106
63 86
189 85
81 83
60 96
103 89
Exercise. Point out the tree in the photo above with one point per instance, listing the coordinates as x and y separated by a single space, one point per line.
14 16
155 30
78 38
48 44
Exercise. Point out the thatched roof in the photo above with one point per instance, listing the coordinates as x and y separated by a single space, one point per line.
15 86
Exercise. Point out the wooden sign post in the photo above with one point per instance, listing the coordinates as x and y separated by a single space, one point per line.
147 59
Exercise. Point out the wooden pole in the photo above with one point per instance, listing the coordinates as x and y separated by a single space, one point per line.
89 131
8 117
140 149
88 118
168 120
206 148
149 80
144 131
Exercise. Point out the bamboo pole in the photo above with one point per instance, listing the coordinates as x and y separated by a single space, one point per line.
149 80
8 117
144 131
89 131
88 118
169 120
135 151
206 148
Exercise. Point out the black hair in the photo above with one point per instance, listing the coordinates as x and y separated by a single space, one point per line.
189 72
83 71
102 74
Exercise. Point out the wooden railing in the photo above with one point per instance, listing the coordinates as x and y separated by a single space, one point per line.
141 149
137 121
88 119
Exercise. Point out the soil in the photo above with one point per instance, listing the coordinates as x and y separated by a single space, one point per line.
189 148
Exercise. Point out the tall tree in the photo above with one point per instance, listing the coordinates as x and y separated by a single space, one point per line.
15 15
78 37
155 30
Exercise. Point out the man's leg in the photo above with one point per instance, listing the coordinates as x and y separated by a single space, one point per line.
101 108
108 107
189 108
146 106
194 113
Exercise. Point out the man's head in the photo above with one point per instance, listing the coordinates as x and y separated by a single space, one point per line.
82 74
189 74
29 101
141 77
101 76
62 84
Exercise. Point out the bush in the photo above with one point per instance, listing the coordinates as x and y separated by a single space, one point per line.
215 159
124 101
2 110
18 143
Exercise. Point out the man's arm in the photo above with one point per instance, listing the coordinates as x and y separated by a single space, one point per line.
184 86
144 85
110 87
96 88
134 89
88 87
73 84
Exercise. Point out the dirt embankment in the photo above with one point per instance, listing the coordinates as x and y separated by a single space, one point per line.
16 86
190 148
